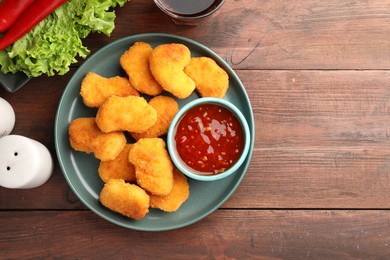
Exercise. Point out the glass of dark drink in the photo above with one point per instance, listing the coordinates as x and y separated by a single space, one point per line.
188 11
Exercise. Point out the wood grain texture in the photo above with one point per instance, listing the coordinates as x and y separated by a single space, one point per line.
321 136
318 77
256 34
226 234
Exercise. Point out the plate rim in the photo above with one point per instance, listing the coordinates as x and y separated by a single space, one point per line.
171 37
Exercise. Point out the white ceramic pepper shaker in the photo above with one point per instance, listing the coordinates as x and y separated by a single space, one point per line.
24 162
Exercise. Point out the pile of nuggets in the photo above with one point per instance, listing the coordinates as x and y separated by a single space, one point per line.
139 174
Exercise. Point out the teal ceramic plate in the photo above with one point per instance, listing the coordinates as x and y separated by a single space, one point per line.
80 169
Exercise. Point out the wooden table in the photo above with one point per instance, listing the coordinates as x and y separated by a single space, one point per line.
318 186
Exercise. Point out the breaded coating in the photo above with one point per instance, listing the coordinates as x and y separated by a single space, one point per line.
178 195
153 166
127 199
119 168
166 108
95 89
167 63
135 61
132 114
85 136
210 79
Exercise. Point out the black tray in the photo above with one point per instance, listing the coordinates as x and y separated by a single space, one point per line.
13 82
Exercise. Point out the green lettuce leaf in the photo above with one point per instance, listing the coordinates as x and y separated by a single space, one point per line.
56 42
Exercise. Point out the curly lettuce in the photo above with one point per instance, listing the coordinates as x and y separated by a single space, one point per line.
56 42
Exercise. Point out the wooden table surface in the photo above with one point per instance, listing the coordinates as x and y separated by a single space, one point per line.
318 186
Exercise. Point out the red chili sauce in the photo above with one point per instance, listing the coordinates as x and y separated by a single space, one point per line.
209 139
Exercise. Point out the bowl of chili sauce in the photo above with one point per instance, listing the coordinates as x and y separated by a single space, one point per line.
208 139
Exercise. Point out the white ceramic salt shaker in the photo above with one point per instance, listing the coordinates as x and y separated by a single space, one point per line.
7 118
24 162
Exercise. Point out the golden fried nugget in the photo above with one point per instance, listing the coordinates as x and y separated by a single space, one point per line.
153 166
210 79
119 168
132 114
178 195
95 89
135 61
127 199
85 136
166 108
167 63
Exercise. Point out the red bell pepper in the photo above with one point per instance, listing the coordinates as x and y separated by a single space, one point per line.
10 10
35 13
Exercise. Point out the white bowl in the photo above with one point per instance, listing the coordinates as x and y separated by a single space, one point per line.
171 142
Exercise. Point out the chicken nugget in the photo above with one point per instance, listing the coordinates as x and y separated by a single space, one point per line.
178 195
85 136
167 63
119 168
210 79
166 108
135 61
127 199
95 89
153 166
132 114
